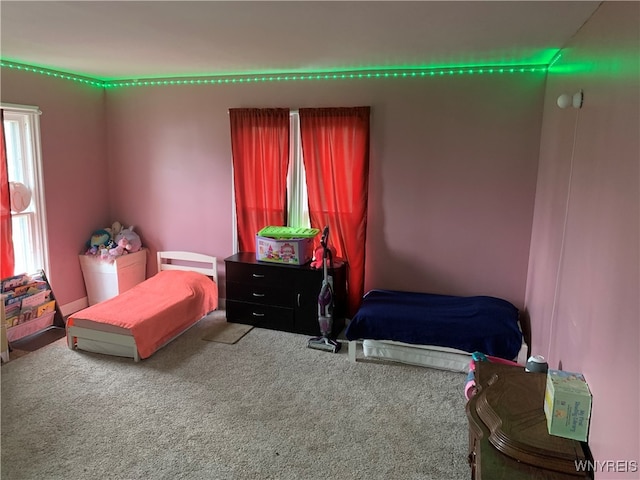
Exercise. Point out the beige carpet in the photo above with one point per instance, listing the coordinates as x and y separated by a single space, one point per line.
229 333
266 407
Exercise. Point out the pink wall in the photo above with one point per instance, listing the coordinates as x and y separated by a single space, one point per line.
452 178
584 248
72 128
454 163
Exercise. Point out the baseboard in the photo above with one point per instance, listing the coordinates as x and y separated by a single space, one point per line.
73 307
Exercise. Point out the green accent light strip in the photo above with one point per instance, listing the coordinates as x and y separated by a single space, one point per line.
555 58
339 75
52 73
330 76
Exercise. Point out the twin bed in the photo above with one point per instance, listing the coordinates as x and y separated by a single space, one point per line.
439 331
142 320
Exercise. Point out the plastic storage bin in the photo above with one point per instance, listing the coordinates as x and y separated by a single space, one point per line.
289 245
104 279
292 251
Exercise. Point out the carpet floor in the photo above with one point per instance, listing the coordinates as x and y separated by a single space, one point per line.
266 407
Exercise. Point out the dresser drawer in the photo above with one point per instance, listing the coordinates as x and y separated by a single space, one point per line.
264 316
256 274
264 294
281 297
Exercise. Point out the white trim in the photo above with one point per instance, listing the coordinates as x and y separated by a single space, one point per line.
21 108
75 306
297 197
234 218
40 197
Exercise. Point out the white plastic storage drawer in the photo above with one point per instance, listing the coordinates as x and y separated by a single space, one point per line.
105 279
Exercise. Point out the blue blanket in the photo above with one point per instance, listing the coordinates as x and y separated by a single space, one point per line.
483 324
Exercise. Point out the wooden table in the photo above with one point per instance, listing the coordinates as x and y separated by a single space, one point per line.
508 436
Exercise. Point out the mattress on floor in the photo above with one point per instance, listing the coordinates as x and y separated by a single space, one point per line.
422 355
478 323
443 358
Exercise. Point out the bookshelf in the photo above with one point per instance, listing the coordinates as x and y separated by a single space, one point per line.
29 305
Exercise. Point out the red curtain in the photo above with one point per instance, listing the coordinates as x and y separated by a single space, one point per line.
260 149
335 149
6 242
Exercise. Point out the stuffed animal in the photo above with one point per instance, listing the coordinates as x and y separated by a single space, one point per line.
120 249
116 228
318 255
133 239
99 238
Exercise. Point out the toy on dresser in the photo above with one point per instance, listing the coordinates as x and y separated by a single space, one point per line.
112 242
129 240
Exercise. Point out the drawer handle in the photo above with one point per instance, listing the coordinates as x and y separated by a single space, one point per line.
257 275
298 300
257 294
257 314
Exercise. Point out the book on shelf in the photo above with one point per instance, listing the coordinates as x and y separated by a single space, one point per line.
28 297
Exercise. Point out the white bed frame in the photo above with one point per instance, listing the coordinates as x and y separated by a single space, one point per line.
124 345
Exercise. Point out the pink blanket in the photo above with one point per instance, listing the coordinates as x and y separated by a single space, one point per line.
158 309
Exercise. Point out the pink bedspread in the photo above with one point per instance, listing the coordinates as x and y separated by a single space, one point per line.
158 309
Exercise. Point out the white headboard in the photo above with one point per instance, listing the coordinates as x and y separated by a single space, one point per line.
197 262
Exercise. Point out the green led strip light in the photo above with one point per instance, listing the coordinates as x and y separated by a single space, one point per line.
53 73
228 79
330 76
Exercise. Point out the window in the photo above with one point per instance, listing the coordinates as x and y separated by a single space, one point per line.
336 162
297 213
297 199
24 165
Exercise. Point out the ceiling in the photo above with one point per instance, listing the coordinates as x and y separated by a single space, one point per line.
152 39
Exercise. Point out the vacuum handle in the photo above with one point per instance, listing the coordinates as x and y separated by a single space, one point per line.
324 241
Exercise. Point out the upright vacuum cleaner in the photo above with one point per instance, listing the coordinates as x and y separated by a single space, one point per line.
325 302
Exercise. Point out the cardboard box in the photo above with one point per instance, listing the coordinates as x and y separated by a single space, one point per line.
290 251
567 405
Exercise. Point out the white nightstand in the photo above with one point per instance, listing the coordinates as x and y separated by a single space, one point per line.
105 279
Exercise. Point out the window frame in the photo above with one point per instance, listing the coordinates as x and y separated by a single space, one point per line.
28 170
297 197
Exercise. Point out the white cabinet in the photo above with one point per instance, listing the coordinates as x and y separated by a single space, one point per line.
105 279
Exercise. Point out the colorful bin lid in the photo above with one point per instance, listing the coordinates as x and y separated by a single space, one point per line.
288 232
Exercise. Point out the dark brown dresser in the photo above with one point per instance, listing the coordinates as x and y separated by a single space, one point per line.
508 437
280 297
